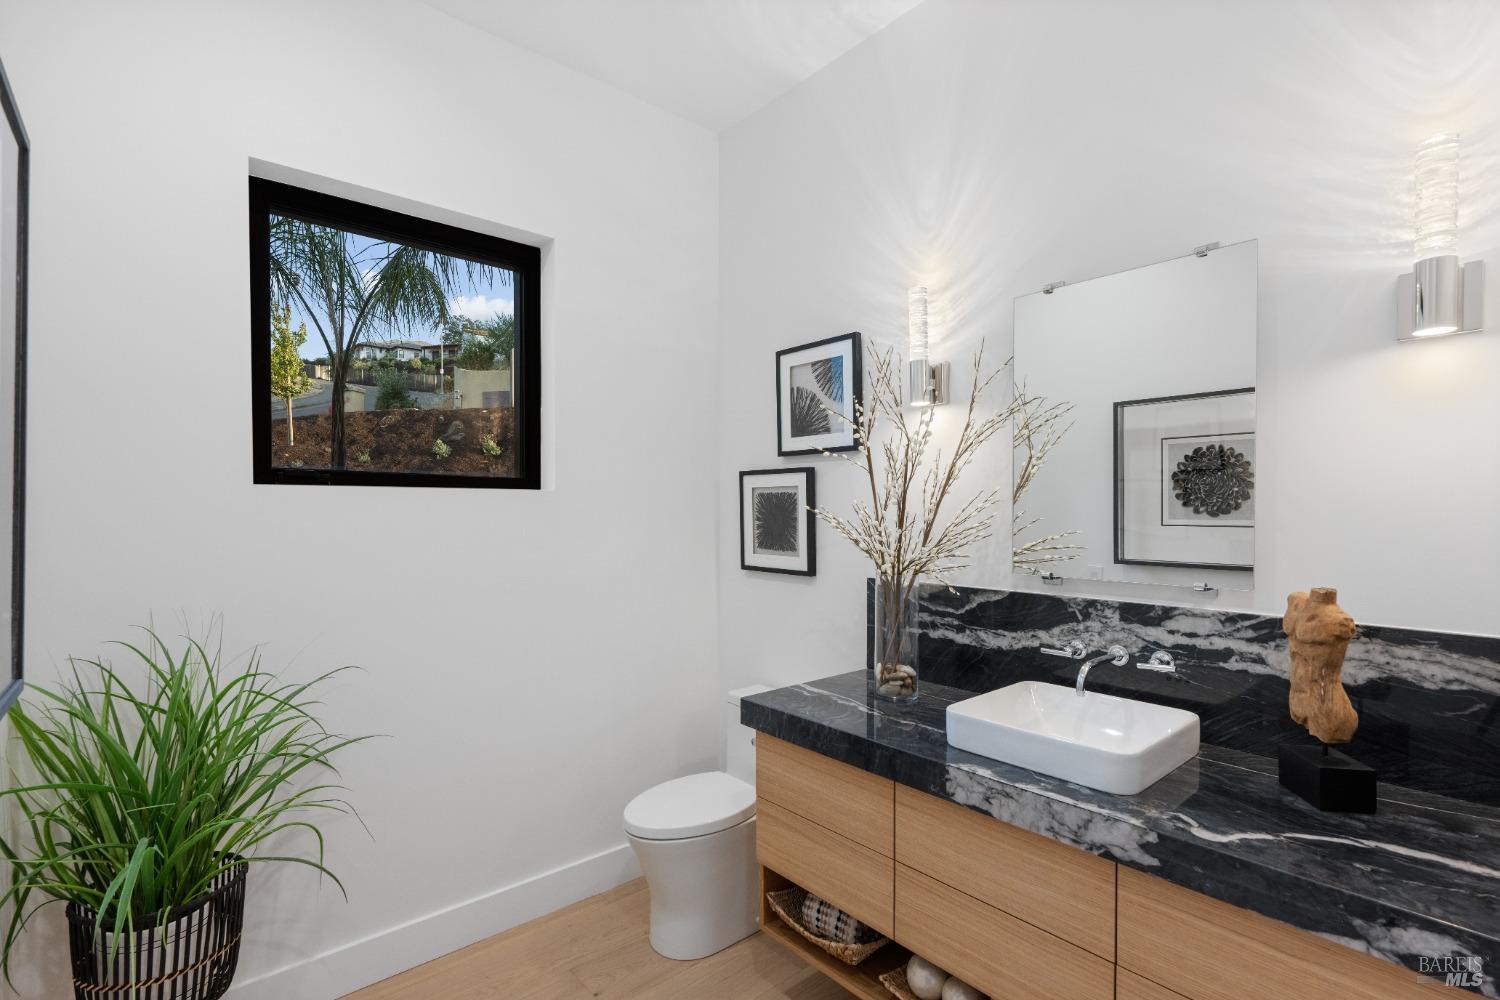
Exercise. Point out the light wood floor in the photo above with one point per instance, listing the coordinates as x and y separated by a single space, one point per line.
598 948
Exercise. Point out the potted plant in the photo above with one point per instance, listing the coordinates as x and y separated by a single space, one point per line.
147 803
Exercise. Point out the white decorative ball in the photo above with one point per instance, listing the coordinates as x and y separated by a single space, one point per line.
957 989
924 979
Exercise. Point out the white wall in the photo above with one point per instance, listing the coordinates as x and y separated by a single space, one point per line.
985 149
523 704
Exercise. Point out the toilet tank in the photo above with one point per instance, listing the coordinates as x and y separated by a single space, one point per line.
739 740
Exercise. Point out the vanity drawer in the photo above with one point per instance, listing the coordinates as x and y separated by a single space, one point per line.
1060 889
1205 949
850 802
992 950
851 877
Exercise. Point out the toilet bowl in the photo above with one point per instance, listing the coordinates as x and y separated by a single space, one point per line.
695 839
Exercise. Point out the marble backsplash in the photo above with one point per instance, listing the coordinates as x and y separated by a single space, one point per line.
1428 702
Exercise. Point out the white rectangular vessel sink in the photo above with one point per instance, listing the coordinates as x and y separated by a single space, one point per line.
1112 744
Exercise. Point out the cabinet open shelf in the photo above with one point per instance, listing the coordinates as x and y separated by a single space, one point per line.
863 980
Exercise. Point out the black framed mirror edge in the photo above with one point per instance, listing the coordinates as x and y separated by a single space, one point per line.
13 687
522 259
1119 546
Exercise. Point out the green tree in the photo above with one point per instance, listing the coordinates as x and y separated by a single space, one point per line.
391 391
487 343
349 286
288 376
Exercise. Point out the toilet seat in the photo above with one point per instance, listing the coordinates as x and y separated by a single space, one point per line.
692 806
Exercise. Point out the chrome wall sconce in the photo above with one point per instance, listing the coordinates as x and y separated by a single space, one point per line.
927 383
1440 296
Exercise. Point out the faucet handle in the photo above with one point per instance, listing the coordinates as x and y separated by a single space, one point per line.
1074 650
1161 661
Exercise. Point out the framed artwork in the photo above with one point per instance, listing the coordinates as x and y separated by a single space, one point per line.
1185 469
14 160
817 387
776 521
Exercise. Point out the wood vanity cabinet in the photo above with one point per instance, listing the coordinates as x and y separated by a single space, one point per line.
1205 949
1020 915
990 949
852 803
828 827
1062 890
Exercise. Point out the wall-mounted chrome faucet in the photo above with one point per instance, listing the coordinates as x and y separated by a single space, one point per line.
1115 654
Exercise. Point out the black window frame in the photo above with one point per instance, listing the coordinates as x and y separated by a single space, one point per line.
521 259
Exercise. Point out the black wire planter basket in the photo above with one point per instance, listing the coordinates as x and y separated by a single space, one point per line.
191 956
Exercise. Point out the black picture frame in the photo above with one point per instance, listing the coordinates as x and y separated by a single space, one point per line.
1119 411
523 260
856 385
810 500
13 686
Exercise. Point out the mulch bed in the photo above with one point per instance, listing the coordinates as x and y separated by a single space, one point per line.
402 441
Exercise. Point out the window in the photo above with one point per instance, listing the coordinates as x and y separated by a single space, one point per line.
389 350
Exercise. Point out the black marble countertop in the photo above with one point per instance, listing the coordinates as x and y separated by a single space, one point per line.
1417 881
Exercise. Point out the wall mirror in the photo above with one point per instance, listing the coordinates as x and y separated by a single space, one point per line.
1151 471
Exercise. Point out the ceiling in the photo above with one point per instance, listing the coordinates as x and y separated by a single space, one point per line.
710 61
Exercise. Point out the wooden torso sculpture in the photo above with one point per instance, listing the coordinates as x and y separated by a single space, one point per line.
1318 633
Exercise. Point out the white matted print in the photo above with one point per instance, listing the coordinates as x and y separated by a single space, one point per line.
817 386
1208 479
776 521
1185 480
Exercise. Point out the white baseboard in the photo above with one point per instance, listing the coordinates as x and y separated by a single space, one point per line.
349 967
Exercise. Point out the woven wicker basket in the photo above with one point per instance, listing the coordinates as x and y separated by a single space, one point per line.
190 956
788 906
895 982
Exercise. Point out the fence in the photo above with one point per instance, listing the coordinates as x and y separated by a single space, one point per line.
411 381
487 389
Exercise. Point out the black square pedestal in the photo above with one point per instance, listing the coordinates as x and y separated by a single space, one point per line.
1331 781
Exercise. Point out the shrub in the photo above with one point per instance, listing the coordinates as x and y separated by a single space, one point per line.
440 449
490 446
392 394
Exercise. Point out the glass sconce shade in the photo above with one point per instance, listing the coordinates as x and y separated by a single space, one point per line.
916 323
926 382
1437 196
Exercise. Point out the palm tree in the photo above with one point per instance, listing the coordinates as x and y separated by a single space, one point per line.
349 286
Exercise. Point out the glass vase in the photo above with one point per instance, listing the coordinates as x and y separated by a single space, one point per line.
896 639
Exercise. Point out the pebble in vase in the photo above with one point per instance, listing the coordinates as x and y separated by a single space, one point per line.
924 979
957 989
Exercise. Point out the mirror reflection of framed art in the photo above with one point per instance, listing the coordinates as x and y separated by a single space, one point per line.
1185 480
14 161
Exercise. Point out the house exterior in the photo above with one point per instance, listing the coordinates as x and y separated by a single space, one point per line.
400 350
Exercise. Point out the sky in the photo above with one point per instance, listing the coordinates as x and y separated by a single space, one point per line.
481 300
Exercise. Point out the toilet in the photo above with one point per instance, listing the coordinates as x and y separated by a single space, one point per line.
695 839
